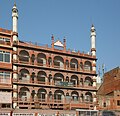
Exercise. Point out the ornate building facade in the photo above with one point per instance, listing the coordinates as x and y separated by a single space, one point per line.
45 78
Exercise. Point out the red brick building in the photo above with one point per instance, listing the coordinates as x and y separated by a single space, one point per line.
109 91
45 78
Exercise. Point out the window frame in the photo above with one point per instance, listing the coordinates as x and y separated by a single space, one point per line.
4 55
5 76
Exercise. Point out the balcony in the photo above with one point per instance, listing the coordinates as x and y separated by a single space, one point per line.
5 80
56 84
54 103
5 43
52 66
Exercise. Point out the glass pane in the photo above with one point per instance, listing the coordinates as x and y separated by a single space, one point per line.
1 74
7 75
7 40
1 39
1 57
7 57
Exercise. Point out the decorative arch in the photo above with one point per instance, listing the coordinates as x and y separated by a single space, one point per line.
87 66
75 96
41 94
41 59
58 95
58 62
88 97
41 77
24 75
24 94
58 77
24 56
74 64
74 80
88 81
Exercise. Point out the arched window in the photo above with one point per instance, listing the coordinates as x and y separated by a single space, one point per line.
41 76
24 56
24 75
74 80
41 95
88 81
58 78
75 96
87 66
88 97
58 62
59 95
74 64
24 94
41 59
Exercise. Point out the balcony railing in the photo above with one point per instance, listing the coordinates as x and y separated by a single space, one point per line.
5 80
62 84
70 104
5 43
49 100
53 66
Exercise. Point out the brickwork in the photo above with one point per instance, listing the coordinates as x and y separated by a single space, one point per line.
109 91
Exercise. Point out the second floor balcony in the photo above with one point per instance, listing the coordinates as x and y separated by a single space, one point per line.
56 62
56 80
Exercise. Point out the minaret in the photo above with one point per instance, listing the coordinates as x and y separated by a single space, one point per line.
93 51
15 20
93 41
15 57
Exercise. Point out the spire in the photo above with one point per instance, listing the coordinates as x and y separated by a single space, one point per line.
93 40
52 38
14 2
15 21
93 28
64 41
14 9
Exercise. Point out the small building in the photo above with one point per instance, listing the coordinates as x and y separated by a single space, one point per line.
109 92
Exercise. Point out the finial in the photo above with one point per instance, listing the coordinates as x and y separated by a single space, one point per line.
14 9
14 3
52 37
92 25
64 40
93 28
